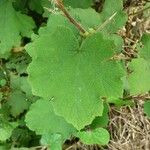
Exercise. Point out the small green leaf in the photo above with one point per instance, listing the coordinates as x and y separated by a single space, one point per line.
147 108
38 5
115 17
3 82
18 103
6 129
98 136
92 20
139 78
101 121
145 51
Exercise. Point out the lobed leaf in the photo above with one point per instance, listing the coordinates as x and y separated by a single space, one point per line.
86 74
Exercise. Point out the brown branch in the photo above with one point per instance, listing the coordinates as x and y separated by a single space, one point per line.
71 19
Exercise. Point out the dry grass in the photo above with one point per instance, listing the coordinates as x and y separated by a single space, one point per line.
129 128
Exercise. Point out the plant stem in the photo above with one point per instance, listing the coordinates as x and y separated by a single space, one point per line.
71 19
106 22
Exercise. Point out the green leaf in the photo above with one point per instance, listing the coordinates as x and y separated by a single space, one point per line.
101 121
4 146
147 108
119 17
98 136
85 72
145 51
20 5
146 12
54 141
18 62
78 3
139 79
20 83
16 25
3 82
54 21
21 135
18 103
38 5
88 18
6 129
108 10
42 119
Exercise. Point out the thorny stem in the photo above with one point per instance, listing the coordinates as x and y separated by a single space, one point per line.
106 22
71 19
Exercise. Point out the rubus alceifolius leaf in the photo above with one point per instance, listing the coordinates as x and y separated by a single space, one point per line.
75 75
139 78
13 25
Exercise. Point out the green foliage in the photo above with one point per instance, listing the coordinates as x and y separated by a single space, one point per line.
6 129
139 80
75 78
53 141
116 15
103 120
18 103
39 5
147 108
145 51
42 119
92 20
78 3
14 25
97 136
56 82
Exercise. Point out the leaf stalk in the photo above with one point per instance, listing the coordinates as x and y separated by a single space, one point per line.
70 18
